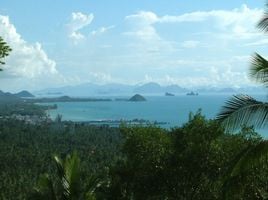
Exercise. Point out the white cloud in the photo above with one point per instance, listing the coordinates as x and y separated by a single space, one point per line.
78 22
101 30
100 78
144 18
215 78
25 60
141 25
261 42
239 22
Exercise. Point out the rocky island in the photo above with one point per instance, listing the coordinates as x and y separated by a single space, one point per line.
169 94
137 97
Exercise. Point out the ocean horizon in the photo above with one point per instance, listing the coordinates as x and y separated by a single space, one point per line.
167 111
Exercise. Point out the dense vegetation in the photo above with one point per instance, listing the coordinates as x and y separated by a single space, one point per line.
194 161
4 51
26 152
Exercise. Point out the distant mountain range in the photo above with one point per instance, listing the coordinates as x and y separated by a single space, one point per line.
24 94
151 88
110 89
7 97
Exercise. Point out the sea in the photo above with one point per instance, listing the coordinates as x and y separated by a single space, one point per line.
165 111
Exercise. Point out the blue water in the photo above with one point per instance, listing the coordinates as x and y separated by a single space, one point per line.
173 110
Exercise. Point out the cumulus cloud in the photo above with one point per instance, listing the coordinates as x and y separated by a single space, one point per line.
78 22
141 25
240 22
215 78
25 60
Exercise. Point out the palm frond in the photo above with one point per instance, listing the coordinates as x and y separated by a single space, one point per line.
72 173
259 69
250 158
65 185
263 23
69 174
45 189
243 110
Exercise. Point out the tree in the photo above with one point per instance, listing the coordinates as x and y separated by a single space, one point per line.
68 185
4 51
244 109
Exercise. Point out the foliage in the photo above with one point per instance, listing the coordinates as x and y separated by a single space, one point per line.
190 162
68 185
4 51
195 161
243 109
26 152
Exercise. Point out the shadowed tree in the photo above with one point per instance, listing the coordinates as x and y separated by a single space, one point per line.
4 51
68 185
245 110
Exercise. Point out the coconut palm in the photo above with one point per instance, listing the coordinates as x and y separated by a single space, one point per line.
244 109
68 185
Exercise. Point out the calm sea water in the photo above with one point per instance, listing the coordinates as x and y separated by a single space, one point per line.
173 110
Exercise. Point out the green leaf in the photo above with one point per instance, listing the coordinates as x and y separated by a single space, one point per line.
243 110
259 69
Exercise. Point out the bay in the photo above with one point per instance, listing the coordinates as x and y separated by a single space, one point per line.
174 111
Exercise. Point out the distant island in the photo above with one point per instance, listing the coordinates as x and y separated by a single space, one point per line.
65 99
116 122
169 94
192 94
137 97
121 99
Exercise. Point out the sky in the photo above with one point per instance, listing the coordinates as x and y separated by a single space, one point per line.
190 43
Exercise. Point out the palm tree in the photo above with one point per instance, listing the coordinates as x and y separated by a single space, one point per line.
68 185
244 109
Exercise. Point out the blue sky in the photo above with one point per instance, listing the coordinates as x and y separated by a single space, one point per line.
190 43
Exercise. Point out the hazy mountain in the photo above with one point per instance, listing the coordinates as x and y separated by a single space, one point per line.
6 97
229 90
156 88
175 89
23 94
149 88
90 89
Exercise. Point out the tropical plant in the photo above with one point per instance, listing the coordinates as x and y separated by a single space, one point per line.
244 109
4 51
68 185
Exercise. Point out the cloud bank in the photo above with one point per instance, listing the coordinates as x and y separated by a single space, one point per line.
25 60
